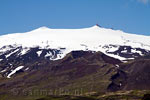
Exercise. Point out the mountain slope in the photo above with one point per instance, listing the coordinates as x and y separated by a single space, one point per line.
134 75
79 72
73 61
87 70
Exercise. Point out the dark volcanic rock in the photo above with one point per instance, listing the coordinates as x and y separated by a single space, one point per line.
85 70
135 76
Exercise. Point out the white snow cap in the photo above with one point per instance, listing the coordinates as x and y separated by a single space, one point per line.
92 38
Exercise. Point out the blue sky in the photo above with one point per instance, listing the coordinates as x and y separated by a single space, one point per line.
131 16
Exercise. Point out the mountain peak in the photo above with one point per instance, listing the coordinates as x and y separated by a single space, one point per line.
43 27
96 26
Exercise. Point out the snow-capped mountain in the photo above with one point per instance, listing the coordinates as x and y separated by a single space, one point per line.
66 40
54 44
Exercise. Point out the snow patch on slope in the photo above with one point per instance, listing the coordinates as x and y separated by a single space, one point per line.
39 53
1 59
136 51
11 53
25 50
3 70
14 71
